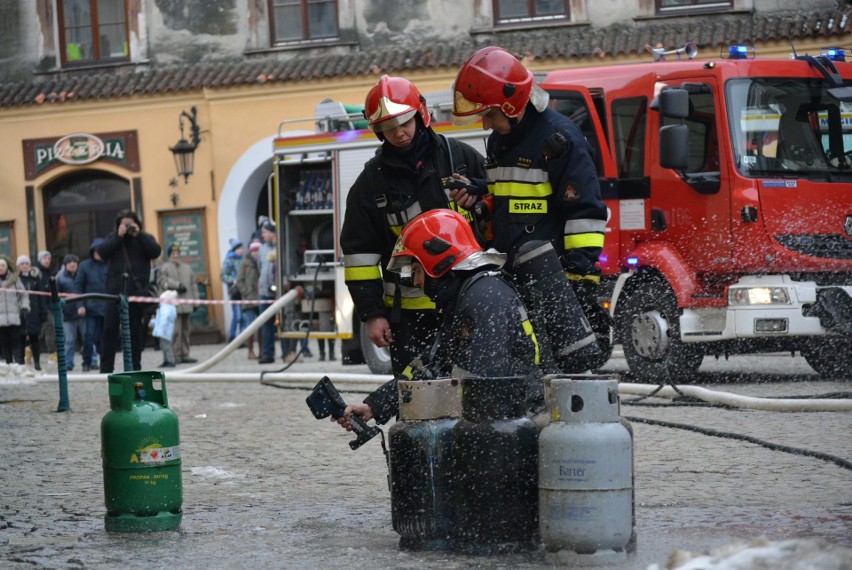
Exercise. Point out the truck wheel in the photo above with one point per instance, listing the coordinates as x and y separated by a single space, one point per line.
647 324
831 358
378 359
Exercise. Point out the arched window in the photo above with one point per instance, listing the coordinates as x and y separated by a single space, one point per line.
80 207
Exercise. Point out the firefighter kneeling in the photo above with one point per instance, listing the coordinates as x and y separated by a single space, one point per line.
488 346
486 331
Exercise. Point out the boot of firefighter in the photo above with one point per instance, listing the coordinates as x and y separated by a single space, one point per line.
599 318
554 306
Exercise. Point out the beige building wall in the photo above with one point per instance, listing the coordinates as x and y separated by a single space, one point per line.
231 164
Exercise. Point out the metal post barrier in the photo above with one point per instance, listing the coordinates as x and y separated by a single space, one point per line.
57 304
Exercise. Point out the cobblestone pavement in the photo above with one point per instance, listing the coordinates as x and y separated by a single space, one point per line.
265 485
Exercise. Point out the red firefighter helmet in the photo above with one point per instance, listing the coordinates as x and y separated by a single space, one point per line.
438 239
493 77
393 101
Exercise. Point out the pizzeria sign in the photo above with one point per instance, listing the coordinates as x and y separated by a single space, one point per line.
78 149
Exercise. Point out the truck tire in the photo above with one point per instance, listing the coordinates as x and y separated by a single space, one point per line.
830 357
648 327
378 359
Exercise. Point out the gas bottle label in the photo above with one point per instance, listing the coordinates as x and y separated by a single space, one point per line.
159 454
573 470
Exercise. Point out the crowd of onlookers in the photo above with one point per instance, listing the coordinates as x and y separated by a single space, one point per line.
252 277
27 325
128 260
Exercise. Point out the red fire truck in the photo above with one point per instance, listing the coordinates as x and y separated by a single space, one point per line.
729 186
729 182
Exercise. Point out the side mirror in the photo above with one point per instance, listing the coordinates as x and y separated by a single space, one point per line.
672 103
674 147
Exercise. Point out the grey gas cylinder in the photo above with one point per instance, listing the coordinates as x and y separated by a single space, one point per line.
585 473
421 463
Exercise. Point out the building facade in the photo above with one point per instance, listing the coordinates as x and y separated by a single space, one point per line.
95 93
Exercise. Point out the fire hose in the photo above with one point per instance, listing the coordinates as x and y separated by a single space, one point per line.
372 381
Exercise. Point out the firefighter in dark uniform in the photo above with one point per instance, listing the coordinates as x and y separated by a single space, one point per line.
540 171
410 174
485 329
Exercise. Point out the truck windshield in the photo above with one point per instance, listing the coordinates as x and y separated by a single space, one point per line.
789 127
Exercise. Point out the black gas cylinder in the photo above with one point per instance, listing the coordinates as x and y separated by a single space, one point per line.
496 468
421 464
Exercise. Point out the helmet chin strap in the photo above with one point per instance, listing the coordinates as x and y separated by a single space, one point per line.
430 286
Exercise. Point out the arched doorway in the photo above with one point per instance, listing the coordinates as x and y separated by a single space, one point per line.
80 207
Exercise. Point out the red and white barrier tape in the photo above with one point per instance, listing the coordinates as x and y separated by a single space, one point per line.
134 299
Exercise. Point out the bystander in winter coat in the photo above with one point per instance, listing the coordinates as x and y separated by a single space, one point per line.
177 275
39 310
14 303
91 278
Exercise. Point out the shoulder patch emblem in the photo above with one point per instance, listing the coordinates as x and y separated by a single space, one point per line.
571 194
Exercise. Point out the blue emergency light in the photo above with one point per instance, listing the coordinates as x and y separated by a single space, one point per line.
738 52
833 53
632 261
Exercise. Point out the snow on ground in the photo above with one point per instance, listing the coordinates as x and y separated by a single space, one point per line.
762 554
17 374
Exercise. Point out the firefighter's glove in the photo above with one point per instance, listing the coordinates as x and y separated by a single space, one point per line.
474 187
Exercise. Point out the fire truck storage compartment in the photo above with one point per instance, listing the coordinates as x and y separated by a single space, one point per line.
307 207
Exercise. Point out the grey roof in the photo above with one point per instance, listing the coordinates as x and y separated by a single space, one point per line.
710 33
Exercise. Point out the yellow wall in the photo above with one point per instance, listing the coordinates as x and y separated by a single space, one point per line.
231 119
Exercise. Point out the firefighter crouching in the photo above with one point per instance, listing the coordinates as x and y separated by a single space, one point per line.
410 174
485 330
542 176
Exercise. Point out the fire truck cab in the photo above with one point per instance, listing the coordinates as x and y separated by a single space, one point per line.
729 187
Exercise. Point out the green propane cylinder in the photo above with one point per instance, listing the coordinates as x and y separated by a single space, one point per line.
140 448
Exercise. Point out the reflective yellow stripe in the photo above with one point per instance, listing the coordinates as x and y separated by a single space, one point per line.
527 206
528 330
412 303
590 278
395 230
517 190
466 213
584 240
362 273
408 373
